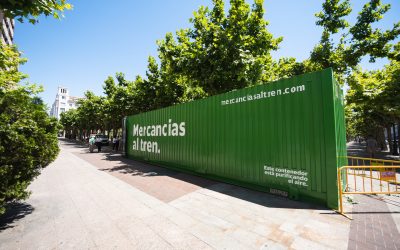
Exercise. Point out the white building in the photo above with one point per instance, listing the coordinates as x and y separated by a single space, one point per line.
63 102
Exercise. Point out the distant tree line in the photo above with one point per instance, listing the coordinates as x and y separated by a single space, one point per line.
223 51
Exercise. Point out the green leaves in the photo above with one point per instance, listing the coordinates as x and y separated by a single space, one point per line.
331 18
356 41
9 62
373 98
369 41
221 52
90 111
31 9
28 136
370 97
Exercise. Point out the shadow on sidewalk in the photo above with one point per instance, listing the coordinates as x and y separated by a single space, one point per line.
392 200
14 212
359 150
374 212
372 217
73 143
137 168
82 144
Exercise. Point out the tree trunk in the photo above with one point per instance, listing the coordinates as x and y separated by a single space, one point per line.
395 135
381 139
398 134
389 137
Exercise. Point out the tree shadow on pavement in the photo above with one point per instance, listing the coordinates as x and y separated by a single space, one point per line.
263 198
126 166
126 169
137 168
72 143
14 212
359 150
391 200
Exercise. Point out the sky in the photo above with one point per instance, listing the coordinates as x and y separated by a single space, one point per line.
99 38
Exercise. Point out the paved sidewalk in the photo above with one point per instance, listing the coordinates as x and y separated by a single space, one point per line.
360 150
373 226
81 203
376 218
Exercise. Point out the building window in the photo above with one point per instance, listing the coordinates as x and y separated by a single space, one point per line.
62 110
63 97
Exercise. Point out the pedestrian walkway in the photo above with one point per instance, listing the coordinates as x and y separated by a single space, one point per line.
376 218
102 201
373 226
359 150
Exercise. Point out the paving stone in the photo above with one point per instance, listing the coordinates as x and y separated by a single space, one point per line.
215 237
282 237
248 238
301 243
271 245
373 226
174 235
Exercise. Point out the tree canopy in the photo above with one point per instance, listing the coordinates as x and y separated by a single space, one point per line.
32 9
355 41
222 51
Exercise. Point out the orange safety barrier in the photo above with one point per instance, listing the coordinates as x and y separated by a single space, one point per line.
374 176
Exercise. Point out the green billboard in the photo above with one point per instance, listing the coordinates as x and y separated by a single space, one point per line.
284 137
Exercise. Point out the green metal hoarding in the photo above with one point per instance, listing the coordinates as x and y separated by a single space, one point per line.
284 137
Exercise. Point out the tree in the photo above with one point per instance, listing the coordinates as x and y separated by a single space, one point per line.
32 9
391 92
119 101
390 104
365 100
373 101
160 88
28 136
70 122
221 52
284 68
90 113
9 61
355 41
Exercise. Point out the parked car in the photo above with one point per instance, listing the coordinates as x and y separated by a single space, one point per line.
103 139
